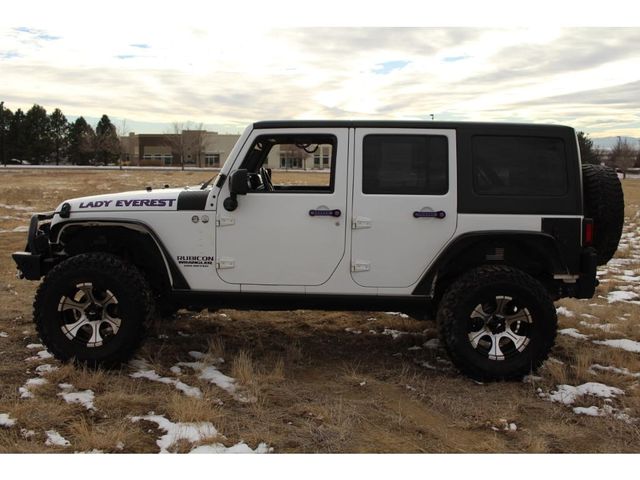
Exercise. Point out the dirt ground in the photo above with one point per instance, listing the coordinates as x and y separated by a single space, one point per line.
307 381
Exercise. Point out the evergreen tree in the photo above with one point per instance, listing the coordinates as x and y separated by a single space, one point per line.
16 137
59 129
587 152
107 142
5 123
81 141
37 131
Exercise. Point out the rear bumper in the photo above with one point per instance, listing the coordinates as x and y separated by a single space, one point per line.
587 282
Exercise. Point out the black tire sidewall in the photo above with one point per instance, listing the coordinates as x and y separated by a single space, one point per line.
131 303
476 364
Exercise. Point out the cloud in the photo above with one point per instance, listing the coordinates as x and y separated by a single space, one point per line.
581 77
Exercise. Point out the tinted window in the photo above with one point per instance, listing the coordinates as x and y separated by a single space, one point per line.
405 165
510 165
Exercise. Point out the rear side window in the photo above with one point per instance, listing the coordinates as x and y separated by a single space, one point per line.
519 166
405 165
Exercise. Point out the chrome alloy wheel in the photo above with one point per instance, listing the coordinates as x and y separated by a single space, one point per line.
89 315
500 328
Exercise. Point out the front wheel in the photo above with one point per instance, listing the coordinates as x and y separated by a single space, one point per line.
497 323
93 308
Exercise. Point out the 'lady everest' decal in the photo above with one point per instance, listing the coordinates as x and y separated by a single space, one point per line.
156 202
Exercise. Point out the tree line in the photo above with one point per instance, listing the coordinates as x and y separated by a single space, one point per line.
38 138
622 156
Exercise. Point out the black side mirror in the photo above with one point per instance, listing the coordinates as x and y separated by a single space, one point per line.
237 186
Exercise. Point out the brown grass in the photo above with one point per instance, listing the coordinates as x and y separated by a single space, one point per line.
317 387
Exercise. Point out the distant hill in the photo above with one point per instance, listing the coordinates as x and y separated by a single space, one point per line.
609 142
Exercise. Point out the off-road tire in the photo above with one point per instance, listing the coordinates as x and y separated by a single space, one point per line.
604 203
483 284
104 271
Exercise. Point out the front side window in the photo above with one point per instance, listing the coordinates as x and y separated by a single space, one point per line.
297 159
519 166
405 165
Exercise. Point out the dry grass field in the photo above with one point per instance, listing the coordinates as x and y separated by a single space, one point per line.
306 381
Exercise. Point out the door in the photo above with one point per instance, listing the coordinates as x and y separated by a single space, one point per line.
404 203
290 227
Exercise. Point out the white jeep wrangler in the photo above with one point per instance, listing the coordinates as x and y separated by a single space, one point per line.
481 226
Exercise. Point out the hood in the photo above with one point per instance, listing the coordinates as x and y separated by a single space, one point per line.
147 200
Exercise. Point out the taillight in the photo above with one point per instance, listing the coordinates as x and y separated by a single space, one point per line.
587 232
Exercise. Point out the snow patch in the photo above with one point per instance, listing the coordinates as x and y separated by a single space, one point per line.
565 312
31 346
606 410
41 355
237 448
144 371
568 394
192 432
212 375
84 398
621 371
55 439
394 333
6 421
25 390
607 327
45 368
4 334
572 332
623 343
621 296
398 314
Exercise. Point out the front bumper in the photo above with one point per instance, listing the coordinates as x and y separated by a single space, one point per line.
37 259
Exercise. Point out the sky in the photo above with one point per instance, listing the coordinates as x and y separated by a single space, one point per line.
154 64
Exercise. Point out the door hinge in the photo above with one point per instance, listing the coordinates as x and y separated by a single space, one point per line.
361 222
223 263
225 221
360 266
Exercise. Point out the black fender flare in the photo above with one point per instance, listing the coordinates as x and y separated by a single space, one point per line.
534 245
176 279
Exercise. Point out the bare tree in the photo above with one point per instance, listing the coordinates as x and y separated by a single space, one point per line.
122 133
175 141
623 156
187 140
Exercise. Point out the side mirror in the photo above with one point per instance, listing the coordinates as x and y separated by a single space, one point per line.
238 183
237 186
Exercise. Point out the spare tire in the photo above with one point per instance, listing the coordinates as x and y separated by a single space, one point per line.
604 203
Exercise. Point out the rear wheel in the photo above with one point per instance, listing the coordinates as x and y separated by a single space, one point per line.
93 308
497 323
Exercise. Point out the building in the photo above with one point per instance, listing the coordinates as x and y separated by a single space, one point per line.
194 148
199 148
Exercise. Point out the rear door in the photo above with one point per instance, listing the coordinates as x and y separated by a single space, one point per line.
404 203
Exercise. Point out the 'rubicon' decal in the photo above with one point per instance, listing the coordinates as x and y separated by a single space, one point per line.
156 202
194 260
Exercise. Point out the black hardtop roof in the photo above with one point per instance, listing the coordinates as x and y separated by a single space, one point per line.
403 124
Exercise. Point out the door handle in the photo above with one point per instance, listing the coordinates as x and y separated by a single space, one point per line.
429 214
325 213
